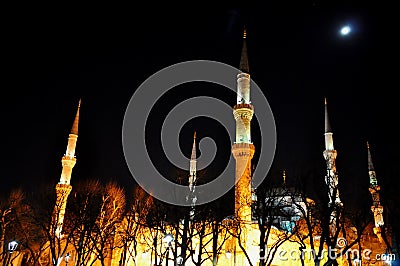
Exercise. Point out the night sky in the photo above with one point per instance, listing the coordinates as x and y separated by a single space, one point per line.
296 55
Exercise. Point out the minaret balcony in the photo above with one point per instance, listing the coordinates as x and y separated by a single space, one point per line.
243 75
68 158
243 106
68 162
243 113
240 150
374 188
63 188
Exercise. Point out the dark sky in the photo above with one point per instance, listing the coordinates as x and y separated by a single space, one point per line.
53 57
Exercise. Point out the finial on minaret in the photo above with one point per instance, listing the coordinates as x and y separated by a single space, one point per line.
194 136
244 61
74 129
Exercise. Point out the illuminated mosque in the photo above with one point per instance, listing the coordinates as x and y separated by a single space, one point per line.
232 248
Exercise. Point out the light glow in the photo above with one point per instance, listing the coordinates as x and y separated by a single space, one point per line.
168 238
345 30
12 246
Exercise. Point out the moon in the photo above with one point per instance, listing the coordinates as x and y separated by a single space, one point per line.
345 30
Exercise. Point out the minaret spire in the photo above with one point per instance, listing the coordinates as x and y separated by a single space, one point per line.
74 129
244 61
63 188
243 78
374 189
327 124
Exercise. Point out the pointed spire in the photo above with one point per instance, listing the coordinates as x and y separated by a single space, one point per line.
193 156
244 61
327 124
370 164
74 129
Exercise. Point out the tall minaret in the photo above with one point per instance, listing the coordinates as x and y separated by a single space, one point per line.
374 188
243 149
192 177
63 188
330 154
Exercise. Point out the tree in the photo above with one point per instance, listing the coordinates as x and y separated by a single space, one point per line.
276 215
109 217
42 216
219 232
29 235
335 228
8 211
130 232
82 213
313 228
238 227
156 228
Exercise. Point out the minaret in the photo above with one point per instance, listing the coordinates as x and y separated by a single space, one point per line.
63 188
243 149
374 188
330 154
192 177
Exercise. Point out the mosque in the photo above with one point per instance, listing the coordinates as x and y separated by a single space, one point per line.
238 242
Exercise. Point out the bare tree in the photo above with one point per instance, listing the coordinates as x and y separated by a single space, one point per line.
82 213
219 232
9 208
29 235
314 230
276 215
325 227
199 232
156 228
110 215
130 232
35 226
